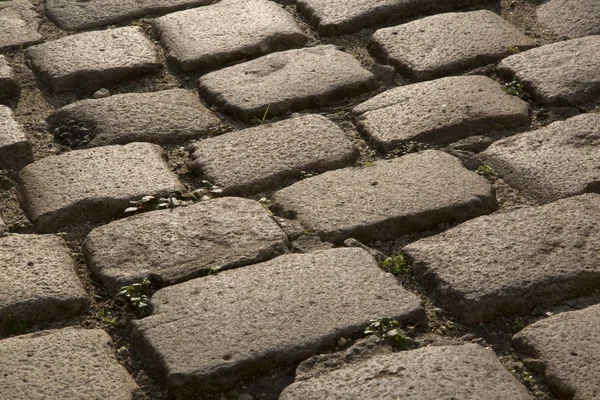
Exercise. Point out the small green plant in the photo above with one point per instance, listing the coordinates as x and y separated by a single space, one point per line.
367 163
214 270
262 120
518 325
485 170
406 148
11 326
513 49
135 296
514 88
396 264
388 329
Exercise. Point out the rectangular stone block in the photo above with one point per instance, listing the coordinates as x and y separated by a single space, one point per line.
18 25
15 150
9 86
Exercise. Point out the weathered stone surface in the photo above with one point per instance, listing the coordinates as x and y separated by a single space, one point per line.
439 111
195 39
571 19
257 317
3 227
264 157
171 246
390 198
9 86
91 60
38 282
568 346
76 15
557 161
94 184
15 150
288 80
430 373
562 73
69 364
167 116
511 262
447 43
18 25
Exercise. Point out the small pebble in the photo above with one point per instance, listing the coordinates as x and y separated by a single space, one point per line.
102 94
342 342
467 337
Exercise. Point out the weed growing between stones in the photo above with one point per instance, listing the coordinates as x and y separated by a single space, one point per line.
514 88
261 121
485 170
396 264
513 49
388 329
406 148
129 303
518 325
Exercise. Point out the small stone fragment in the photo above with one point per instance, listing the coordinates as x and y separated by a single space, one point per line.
15 150
9 86
18 25
102 94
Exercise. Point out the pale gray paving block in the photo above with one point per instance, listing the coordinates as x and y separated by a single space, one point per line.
286 81
91 60
167 116
431 373
511 262
562 73
69 364
267 156
77 14
559 160
568 347
435 46
570 19
440 111
9 86
227 31
15 150
264 315
94 184
388 199
171 246
18 25
38 281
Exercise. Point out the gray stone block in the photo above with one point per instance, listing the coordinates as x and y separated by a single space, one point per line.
18 25
9 86
570 19
267 156
15 150
3 227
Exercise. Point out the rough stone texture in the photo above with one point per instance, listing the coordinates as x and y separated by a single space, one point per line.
76 15
196 39
557 161
92 60
562 73
390 198
38 282
568 346
18 25
15 150
9 86
257 317
431 373
571 19
440 111
3 227
288 80
171 246
167 116
264 157
69 364
435 46
93 185
514 261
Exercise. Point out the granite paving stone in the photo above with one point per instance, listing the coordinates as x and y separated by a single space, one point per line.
94 184
568 347
286 81
255 159
69 364
513 261
9 86
563 73
3 227
91 60
225 233
18 25
168 116
76 14
15 150
442 44
387 199
557 161
38 282
440 111
264 315
437 372
570 19
228 31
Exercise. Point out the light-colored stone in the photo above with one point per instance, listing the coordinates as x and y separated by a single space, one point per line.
511 262
3 227
440 111
286 81
571 19
91 60
388 199
562 73
69 364
228 31
267 156
167 116
557 161
15 150
9 86
18 25
209 332
94 184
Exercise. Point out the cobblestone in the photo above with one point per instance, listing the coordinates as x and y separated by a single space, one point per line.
571 19
18 25
15 150
9 86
